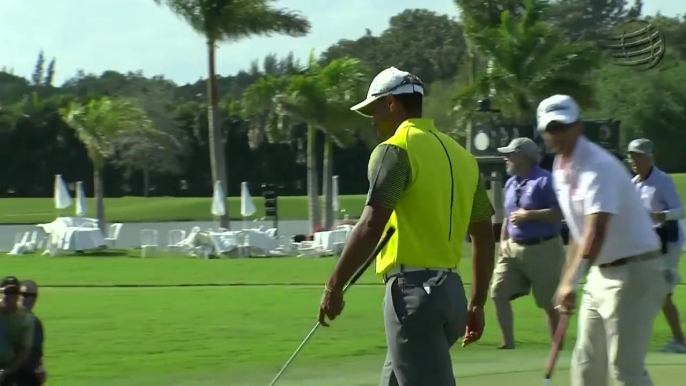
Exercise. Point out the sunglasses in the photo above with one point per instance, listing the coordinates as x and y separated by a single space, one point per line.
10 291
29 294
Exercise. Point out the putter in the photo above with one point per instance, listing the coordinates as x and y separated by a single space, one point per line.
555 352
354 279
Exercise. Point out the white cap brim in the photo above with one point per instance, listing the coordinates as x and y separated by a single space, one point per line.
506 150
565 119
362 108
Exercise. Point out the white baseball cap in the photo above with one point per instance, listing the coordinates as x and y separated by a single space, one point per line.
557 108
390 81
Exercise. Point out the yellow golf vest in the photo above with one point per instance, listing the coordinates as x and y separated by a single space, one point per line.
433 214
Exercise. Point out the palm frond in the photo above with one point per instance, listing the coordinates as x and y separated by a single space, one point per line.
232 20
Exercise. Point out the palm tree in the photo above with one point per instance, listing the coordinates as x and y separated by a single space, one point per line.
321 99
100 124
231 20
343 80
528 60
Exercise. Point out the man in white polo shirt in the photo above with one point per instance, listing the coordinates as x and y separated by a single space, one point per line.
611 236
662 201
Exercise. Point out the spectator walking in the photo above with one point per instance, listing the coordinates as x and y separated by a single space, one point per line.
531 251
662 201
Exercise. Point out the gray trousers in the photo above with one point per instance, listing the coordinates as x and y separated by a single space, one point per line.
422 324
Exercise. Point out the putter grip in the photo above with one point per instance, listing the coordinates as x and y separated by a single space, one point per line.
377 250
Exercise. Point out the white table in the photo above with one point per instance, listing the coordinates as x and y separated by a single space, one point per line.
77 239
224 241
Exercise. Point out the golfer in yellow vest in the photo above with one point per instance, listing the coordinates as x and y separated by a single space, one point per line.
426 186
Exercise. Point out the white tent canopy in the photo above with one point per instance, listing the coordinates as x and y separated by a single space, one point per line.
61 194
247 205
81 207
218 200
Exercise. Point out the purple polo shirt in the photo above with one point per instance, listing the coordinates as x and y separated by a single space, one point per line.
535 192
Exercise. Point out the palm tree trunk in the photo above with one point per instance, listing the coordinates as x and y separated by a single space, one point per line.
217 158
99 197
312 184
328 183
146 181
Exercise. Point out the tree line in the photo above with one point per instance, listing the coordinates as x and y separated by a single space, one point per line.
286 121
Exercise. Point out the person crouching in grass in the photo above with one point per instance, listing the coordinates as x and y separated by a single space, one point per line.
16 332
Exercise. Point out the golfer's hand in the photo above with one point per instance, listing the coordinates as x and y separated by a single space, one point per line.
565 298
331 306
475 325
520 216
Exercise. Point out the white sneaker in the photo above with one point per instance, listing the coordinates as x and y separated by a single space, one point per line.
674 347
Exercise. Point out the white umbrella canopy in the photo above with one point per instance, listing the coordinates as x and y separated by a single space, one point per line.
61 194
336 203
81 207
247 205
218 200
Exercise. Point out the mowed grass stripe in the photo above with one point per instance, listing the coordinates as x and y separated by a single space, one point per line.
69 271
160 209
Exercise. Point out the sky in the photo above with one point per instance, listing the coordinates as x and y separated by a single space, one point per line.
131 35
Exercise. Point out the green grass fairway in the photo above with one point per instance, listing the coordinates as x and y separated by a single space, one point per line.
155 209
241 334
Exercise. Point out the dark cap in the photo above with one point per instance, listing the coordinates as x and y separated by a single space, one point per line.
10 285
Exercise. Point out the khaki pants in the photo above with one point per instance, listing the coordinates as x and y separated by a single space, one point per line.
672 258
616 314
523 268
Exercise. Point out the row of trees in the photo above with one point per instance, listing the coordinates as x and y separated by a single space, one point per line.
276 120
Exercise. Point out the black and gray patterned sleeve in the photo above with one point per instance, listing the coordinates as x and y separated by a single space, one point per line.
481 207
390 174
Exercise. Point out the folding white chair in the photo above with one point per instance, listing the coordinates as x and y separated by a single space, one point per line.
113 234
20 242
32 243
174 239
148 242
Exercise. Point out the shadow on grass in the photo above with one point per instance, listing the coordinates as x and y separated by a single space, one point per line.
103 253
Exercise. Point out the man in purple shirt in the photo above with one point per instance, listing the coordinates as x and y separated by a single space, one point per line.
661 199
532 254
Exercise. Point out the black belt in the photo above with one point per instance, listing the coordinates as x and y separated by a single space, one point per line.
401 270
630 259
533 241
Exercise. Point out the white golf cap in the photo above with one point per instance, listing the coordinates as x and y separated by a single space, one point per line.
390 81
557 108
